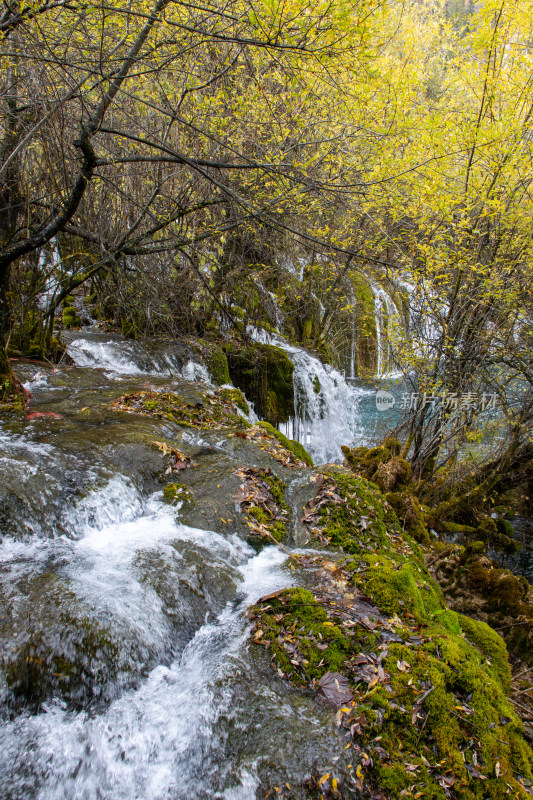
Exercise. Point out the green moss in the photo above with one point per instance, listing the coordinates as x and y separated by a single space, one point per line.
264 506
174 493
394 446
405 587
490 644
321 646
277 488
218 413
498 533
264 374
276 528
236 397
316 385
357 517
410 514
31 338
129 329
440 706
70 317
218 367
294 447
456 527
307 330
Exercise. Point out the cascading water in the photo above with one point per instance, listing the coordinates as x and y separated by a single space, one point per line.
326 408
49 260
385 312
124 635
427 311
117 356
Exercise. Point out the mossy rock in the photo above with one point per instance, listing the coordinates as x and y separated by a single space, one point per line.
436 716
409 512
314 628
264 505
365 461
32 339
391 474
394 446
498 533
62 651
294 447
353 514
474 585
217 363
264 373
174 493
236 397
215 411
456 528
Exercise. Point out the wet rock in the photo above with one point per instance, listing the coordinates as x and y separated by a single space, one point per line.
50 644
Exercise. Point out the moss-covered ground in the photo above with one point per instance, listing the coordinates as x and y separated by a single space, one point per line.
262 498
426 712
219 409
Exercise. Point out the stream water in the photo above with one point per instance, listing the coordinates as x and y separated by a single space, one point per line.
127 671
330 411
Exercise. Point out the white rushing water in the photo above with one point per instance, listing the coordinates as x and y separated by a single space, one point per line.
49 261
160 739
427 313
385 313
117 357
326 407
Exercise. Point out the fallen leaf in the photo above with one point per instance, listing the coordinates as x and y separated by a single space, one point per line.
43 414
335 689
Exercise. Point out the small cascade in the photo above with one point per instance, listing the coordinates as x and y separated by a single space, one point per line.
124 357
353 339
278 315
326 407
426 312
49 259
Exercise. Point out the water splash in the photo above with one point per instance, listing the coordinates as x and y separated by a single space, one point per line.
165 739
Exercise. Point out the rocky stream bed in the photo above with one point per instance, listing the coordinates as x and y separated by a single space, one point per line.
189 608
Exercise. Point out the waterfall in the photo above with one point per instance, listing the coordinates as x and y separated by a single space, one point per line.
385 311
326 407
49 259
426 310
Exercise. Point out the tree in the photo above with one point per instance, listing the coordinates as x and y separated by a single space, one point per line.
144 132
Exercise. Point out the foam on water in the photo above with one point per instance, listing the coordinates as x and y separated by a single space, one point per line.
160 740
